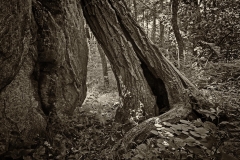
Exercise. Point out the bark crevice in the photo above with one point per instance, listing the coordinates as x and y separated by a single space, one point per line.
46 60
156 85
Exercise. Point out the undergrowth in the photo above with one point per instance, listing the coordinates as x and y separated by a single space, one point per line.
91 132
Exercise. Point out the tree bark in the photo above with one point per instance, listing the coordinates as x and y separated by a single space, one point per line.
19 108
135 94
141 70
104 66
62 55
43 55
175 4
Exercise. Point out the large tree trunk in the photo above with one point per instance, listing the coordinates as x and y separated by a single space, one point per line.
136 95
139 66
43 55
19 105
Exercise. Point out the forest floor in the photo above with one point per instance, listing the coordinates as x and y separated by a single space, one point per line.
219 82
91 132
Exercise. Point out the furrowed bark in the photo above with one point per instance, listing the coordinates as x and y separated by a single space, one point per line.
43 62
62 55
135 93
123 39
147 52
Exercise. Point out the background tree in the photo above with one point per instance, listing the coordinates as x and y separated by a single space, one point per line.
197 17
180 44
94 48
104 66
193 25
154 24
161 26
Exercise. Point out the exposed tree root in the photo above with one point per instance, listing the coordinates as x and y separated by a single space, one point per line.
142 131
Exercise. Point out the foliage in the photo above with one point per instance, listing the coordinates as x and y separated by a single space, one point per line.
184 140
91 132
208 139
223 30
87 133
210 29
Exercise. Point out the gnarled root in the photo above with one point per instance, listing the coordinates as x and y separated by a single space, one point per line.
140 132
